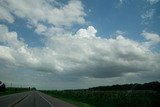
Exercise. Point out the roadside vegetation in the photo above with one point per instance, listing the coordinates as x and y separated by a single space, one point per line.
128 95
12 90
72 101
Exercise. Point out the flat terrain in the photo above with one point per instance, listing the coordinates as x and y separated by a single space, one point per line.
32 99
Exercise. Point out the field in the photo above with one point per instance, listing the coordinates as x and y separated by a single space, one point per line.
127 95
88 98
136 98
12 90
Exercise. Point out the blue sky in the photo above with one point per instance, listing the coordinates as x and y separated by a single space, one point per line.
79 43
110 16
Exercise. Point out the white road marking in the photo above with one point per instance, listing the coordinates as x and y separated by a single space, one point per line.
46 100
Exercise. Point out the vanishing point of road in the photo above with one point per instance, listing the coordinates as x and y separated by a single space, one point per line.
32 99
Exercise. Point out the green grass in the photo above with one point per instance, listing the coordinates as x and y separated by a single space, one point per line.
82 98
13 90
79 104
71 101
6 93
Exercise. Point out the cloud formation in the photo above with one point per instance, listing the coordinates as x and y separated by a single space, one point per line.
153 37
45 16
42 11
81 55
72 56
5 14
16 50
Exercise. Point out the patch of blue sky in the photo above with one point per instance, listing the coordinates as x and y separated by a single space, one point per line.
29 36
110 16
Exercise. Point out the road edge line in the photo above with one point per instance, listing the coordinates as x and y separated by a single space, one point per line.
46 100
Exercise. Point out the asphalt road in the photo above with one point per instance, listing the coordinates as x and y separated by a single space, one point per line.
32 99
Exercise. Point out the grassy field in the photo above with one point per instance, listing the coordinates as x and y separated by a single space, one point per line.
87 98
66 99
13 90
145 98
73 101
128 95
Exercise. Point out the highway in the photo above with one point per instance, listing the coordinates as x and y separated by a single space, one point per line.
32 99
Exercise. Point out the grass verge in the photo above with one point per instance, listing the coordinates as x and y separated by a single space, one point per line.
74 102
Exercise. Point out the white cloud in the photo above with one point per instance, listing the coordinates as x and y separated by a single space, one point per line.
147 16
5 54
50 31
151 36
153 1
38 11
9 38
45 16
119 32
81 55
87 33
16 50
6 15
67 55
40 29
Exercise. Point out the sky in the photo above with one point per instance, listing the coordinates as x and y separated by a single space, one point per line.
74 44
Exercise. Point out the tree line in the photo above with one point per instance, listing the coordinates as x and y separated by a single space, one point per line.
155 85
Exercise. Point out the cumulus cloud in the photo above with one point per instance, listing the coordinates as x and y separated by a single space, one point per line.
78 55
40 29
6 15
151 36
87 33
82 54
9 38
44 15
42 11
17 51
6 54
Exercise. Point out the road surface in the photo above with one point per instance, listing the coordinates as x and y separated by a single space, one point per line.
32 99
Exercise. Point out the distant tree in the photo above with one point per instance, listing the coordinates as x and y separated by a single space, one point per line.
2 87
155 85
33 88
